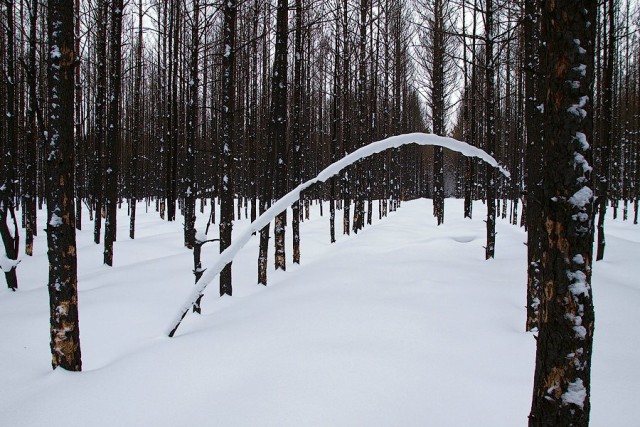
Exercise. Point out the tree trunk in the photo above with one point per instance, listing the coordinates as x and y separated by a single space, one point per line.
533 113
137 120
112 141
98 177
10 240
606 137
563 358
278 133
227 147
297 131
61 233
490 142
32 132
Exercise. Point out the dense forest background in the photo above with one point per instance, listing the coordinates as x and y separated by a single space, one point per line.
174 100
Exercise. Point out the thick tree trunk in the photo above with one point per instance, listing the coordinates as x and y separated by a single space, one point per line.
563 358
61 233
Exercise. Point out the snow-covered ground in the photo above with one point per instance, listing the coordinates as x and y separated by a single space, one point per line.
403 324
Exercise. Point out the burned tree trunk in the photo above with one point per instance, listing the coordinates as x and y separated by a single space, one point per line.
278 133
534 155
10 238
61 233
562 376
112 141
226 149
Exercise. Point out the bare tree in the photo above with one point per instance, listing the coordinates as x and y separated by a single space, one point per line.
112 141
562 376
10 238
61 234
227 146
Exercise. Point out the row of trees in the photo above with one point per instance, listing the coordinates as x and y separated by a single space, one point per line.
174 102
168 92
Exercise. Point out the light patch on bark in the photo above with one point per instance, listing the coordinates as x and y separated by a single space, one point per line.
553 382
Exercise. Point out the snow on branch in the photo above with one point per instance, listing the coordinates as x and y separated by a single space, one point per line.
288 199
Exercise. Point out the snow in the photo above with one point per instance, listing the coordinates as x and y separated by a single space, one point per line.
6 264
55 220
575 394
581 197
201 236
55 52
376 147
403 324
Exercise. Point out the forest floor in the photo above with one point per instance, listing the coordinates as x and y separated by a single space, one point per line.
403 324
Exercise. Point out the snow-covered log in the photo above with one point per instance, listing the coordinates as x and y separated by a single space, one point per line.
331 170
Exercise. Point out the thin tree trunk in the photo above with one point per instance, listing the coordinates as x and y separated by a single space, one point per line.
112 141
136 140
278 133
98 177
11 240
490 142
227 147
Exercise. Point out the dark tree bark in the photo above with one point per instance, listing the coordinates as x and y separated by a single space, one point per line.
227 146
79 135
61 233
278 126
32 132
297 129
490 140
189 179
112 141
562 376
533 114
335 124
101 87
346 119
10 238
266 191
137 123
363 125
605 145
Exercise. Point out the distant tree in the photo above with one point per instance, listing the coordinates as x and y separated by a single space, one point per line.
112 141
436 57
297 126
562 376
137 125
490 137
605 146
189 189
61 234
